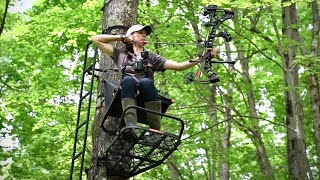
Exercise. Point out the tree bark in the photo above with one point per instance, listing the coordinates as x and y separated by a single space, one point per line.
215 135
297 158
172 167
3 20
253 131
255 134
313 79
115 12
225 145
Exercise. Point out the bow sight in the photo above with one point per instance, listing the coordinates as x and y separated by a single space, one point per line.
215 21
216 17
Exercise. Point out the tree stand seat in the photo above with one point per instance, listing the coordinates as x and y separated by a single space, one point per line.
112 94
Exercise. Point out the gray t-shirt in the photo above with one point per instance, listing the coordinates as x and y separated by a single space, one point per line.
130 63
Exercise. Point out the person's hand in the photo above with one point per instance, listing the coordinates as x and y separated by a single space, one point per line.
127 39
213 52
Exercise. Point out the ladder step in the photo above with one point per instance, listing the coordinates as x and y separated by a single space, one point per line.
88 69
88 93
76 156
82 124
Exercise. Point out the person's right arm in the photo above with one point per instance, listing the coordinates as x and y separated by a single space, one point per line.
102 41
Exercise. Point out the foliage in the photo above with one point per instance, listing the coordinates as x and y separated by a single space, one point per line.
41 58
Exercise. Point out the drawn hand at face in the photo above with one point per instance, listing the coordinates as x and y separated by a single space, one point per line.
127 39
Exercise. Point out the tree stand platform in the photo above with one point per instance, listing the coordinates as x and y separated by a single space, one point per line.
137 149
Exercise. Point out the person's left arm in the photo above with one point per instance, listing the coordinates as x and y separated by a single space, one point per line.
172 65
179 66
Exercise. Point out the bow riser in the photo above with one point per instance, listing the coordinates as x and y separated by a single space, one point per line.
205 55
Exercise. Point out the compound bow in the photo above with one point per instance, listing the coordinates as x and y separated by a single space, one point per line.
216 17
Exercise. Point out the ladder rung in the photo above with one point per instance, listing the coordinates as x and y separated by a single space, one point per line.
89 68
84 122
76 156
84 96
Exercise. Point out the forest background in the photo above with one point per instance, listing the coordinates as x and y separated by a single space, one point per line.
246 125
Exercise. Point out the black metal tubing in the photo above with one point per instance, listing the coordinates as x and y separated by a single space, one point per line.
222 62
218 62
155 112
132 145
105 129
145 157
86 122
82 124
83 97
76 156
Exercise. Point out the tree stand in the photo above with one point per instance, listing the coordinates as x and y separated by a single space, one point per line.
136 149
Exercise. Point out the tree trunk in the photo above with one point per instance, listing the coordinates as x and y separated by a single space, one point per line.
172 167
225 161
119 12
313 79
225 145
255 134
253 131
297 159
215 136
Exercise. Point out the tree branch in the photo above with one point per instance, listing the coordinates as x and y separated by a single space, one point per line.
4 16
256 46
6 84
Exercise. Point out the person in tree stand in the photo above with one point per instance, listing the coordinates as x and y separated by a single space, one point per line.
138 67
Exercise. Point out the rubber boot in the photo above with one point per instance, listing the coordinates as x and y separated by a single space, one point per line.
130 118
154 120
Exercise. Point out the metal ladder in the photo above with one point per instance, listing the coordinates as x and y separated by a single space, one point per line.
88 70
